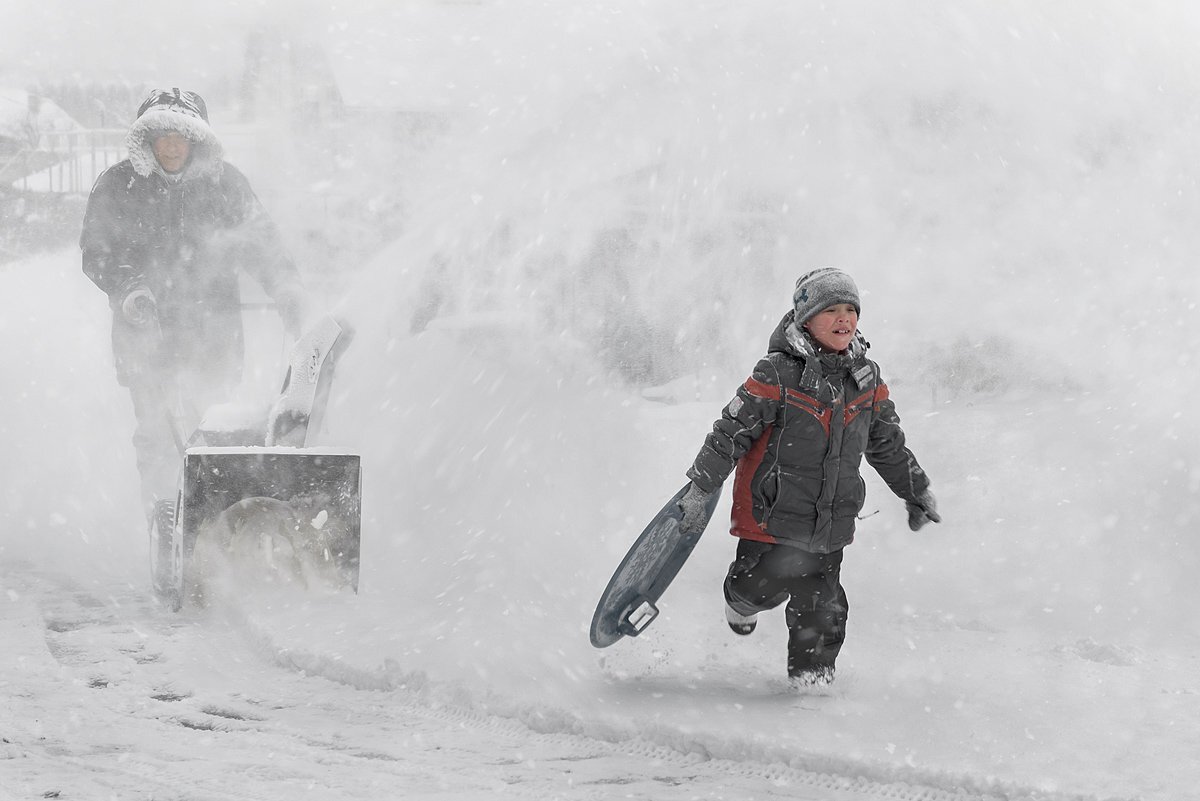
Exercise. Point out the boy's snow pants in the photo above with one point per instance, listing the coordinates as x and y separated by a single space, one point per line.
765 575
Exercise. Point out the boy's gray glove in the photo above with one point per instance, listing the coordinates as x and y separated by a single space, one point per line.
922 511
694 505
138 307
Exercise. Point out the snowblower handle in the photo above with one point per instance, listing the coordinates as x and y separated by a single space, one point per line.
305 392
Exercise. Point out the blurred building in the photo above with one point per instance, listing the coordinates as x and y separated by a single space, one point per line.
35 135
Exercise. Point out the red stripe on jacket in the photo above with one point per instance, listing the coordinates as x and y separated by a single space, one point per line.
742 517
812 406
867 400
762 390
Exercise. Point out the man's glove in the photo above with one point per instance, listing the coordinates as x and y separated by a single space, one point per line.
922 511
292 304
694 505
138 306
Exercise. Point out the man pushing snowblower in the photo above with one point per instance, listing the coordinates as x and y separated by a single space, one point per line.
166 235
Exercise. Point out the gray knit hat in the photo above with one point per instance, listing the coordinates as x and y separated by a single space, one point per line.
821 288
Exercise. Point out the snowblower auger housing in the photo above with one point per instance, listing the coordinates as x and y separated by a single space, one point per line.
253 486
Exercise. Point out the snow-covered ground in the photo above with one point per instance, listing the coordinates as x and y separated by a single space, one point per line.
1014 188
1035 645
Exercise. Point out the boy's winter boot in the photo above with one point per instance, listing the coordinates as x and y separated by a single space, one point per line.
815 676
812 654
741 624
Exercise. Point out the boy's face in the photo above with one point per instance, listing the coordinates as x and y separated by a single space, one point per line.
834 328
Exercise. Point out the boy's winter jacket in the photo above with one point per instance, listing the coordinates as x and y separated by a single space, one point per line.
797 432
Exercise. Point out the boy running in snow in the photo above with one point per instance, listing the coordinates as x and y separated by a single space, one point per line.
797 432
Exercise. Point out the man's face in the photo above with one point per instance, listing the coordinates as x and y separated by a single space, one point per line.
172 151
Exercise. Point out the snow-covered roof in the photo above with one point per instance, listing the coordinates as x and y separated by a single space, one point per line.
16 117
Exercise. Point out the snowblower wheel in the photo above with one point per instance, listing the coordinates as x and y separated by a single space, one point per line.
162 573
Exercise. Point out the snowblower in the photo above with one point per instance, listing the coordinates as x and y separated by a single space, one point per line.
256 492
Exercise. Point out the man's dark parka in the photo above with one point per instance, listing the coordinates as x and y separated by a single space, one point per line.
185 238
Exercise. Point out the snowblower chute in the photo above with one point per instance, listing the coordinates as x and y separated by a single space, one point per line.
261 491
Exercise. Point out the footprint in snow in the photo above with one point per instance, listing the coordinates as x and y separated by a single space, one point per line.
1102 653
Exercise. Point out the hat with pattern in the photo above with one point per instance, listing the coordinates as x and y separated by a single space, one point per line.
821 288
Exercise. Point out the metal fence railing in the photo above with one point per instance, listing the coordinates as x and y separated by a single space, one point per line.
63 161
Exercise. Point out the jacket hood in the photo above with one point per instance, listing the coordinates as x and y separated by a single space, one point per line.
183 112
779 337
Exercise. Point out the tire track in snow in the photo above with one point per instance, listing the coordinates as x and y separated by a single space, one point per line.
139 715
519 750
93 720
855 779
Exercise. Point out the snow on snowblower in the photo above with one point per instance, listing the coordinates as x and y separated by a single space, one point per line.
257 497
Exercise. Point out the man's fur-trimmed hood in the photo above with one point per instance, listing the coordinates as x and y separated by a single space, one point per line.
180 111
